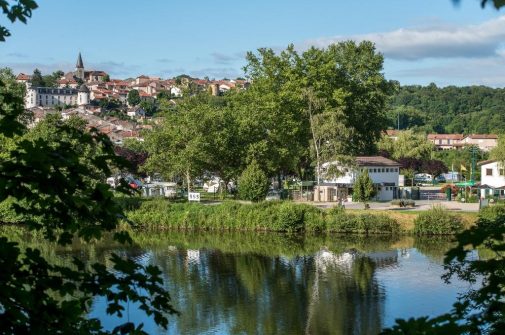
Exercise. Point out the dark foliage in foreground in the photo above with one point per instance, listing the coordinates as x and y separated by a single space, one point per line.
54 178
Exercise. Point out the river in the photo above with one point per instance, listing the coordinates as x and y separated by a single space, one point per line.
264 283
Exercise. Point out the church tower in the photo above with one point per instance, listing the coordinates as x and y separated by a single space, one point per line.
79 68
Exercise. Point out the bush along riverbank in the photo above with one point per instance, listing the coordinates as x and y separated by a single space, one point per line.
266 216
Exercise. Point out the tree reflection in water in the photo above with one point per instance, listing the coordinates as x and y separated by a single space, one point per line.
251 283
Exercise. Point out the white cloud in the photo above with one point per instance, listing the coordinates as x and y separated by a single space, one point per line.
432 42
489 71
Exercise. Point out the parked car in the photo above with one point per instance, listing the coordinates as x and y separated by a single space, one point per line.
273 195
440 179
423 178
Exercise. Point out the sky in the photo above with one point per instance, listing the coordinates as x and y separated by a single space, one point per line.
422 41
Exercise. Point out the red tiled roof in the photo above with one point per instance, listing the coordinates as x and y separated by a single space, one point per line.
483 136
23 76
445 136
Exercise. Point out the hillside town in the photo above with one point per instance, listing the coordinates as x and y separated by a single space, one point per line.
87 93
266 167
84 93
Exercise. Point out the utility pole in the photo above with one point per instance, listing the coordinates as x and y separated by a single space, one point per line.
473 151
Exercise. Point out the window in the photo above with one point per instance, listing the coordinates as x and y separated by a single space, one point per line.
374 170
370 170
501 172
383 170
489 172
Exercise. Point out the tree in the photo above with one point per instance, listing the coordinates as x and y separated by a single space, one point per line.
16 10
110 104
363 189
37 80
51 80
498 152
408 145
434 167
149 106
179 146
106 78
54 174
135 158
133 98
300 101
253 183
200 136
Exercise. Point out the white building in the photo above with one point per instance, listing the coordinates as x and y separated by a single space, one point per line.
384 173
492 178
49 96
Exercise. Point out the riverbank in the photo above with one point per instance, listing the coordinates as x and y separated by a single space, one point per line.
272 216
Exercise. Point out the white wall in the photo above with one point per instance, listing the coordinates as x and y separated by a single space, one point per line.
495 180
378 174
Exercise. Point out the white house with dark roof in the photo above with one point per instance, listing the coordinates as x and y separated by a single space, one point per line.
492 178
384 173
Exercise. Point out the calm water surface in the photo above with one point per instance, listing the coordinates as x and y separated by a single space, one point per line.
275 284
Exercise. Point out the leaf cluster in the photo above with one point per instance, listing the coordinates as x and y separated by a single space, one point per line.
53 176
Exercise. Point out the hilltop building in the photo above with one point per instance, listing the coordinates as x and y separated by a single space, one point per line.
484 142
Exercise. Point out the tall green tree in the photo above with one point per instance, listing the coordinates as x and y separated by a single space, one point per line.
498 152
133 98
37 80
334 98
200 137
51 80
363 189
407 145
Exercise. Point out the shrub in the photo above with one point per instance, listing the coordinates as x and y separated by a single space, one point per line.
492 213
437 220
341 221
266 215
290 217
253 183
363 188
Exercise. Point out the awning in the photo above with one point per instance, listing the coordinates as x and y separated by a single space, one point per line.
466 184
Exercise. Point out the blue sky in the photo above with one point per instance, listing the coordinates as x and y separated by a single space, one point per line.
423 41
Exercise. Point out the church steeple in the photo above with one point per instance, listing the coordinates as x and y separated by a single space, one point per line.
79 64
79 68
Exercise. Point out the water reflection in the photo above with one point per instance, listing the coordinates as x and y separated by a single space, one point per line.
274 284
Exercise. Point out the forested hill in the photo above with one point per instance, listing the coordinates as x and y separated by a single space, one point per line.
472 109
